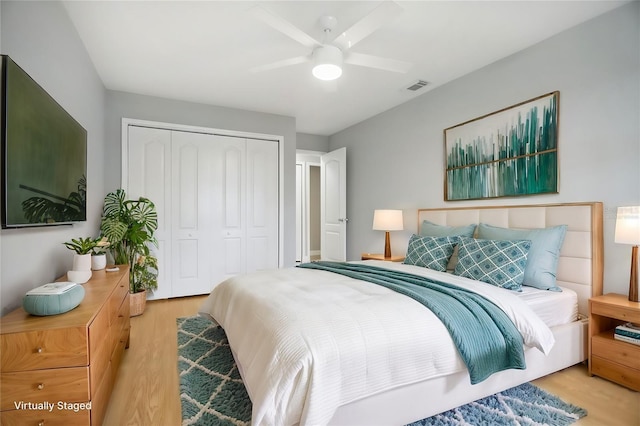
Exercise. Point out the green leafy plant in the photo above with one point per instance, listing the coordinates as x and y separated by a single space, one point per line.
129 226
101 247
81 245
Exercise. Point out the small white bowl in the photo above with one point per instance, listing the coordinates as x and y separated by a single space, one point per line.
79 277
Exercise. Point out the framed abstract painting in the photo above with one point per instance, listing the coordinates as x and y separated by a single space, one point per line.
508 153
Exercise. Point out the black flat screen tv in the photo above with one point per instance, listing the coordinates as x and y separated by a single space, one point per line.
44 155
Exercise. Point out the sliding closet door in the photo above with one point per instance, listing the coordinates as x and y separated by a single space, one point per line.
262 205
149 175
191 190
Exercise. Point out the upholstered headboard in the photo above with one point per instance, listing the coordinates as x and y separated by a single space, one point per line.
580 266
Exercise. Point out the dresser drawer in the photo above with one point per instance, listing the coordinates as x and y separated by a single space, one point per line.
64 347
36 418
118 295
99 331
52 385
615 372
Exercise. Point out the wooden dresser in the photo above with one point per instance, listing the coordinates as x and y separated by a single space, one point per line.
62 367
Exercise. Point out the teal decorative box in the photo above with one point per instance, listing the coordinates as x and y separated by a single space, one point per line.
53 298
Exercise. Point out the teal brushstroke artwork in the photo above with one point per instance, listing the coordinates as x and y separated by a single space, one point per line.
511 152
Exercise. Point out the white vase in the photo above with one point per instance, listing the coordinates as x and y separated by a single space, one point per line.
98 262
81 262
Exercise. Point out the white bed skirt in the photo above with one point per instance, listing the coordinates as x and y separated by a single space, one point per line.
417 401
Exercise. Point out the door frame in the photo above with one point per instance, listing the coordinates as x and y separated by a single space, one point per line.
126 122
312 160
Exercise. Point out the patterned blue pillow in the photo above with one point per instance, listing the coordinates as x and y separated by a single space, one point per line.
497 262
430 252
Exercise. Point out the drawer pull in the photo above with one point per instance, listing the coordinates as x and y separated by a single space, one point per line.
41 423
40 386
39 349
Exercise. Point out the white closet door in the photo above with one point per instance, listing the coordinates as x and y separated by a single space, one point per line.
190 242
229 235
149 175
262 205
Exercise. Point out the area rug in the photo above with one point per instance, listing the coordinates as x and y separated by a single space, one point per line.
212 392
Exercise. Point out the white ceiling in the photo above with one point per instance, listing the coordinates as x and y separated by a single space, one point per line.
202 51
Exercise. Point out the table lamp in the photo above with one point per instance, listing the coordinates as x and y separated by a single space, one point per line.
628 232
387 220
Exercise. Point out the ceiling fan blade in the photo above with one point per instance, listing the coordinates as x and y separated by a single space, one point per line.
281 64
284 26
377 62
380 16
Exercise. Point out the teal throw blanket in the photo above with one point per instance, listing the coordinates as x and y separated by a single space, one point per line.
484 335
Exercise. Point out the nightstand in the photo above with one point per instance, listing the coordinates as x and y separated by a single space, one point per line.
609 358
378 256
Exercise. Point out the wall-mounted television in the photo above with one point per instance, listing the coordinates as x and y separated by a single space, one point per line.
44 155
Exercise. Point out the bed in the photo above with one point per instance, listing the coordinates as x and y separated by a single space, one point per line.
311 379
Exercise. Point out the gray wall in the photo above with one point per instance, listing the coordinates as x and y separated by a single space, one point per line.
396 159
311 142
127 105
41 39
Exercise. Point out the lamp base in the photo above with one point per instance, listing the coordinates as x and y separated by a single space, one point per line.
634 290
387 245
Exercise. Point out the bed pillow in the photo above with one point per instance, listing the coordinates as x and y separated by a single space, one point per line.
434 230
430 252
431 229
543 255
497 262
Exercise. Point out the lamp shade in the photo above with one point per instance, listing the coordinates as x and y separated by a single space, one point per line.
628 225
327 63
387 220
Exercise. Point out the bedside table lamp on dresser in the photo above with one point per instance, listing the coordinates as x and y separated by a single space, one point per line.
628 232
387 220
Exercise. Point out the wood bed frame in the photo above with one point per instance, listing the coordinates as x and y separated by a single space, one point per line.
580 268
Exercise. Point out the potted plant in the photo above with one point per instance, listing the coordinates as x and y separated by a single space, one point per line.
82 247
99 254
129 226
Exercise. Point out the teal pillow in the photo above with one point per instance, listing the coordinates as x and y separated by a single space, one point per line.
434 230
53 304
430 252
543 255
497 262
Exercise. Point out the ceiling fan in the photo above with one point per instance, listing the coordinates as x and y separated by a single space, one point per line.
329 55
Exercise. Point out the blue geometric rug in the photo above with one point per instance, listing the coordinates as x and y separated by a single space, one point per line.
212 392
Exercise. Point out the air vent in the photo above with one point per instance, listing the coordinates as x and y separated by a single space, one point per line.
417 85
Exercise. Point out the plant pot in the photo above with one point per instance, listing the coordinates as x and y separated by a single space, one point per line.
98 262
81 262
79 277
137 303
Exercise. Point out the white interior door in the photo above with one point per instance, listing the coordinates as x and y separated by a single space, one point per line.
191 209
262 205
149 151
333 206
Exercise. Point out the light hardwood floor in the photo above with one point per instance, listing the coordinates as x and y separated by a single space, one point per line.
146 390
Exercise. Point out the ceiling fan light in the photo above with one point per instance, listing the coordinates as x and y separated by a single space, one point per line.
326 72
327 63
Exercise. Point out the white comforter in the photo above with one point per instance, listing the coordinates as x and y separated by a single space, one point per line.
308 341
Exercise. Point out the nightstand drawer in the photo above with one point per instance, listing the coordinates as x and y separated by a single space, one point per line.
65 347
61 384
615 372
622 313
623 353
